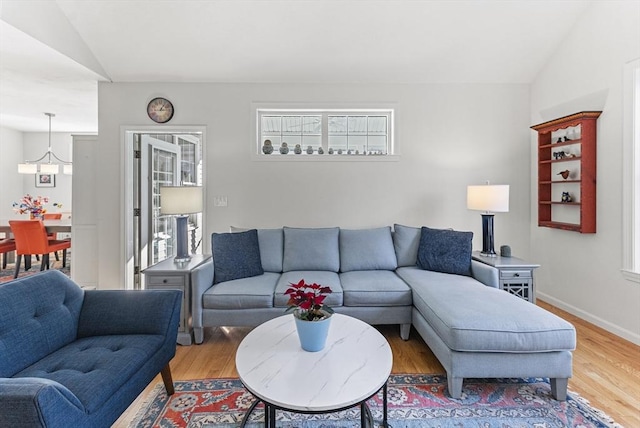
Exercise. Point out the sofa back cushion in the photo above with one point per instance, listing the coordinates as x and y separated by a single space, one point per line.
39 315
406 241
311 249
271 243
235 255
367 249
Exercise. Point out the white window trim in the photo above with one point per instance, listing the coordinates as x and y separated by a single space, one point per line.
631 172
321 107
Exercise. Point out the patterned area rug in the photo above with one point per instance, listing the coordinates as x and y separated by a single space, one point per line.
413 401
7 274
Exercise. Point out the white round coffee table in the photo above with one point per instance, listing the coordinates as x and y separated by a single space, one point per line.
354 365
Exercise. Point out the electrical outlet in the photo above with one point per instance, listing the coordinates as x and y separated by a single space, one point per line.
219 201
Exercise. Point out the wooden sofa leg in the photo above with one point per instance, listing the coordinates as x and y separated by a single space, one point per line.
559 388
166 378
405 329
455 386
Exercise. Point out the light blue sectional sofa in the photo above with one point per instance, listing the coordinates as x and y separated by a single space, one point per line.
75 358
407 276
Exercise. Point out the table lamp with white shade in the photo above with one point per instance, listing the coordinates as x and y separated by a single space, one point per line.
489 198
181 201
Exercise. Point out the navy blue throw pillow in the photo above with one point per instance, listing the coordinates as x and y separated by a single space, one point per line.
235 255
447 251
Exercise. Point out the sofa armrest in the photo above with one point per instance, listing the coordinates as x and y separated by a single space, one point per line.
106 312
202 280
37 402
488 275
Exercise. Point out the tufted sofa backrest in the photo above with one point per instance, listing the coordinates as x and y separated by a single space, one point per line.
38 315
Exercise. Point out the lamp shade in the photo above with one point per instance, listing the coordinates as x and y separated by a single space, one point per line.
49 168
488 197
27 168
180 199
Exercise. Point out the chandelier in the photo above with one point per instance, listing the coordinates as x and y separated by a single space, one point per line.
32 167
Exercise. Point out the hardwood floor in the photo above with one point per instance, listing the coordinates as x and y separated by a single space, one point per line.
606 368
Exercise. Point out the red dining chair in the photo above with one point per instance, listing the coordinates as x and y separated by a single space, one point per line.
54 236
6 246
31 239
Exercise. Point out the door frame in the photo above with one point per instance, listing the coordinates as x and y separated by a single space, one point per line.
126 190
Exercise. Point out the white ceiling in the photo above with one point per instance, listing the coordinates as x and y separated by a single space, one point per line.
348 41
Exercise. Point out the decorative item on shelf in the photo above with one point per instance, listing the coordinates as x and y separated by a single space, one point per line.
567 138
565 174
490 199
267 148
32 167
505 251
339 151
330 150
181 201
34 206
284 148
559 155
309 150
559 140
566 197
311 315
320 150
297 149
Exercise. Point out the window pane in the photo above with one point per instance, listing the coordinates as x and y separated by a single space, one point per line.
271 124
377 125
291 125
337 125
357 125
312 125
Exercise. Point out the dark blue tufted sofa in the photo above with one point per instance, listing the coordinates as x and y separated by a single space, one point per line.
76 358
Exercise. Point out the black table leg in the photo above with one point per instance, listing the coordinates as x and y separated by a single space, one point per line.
385 422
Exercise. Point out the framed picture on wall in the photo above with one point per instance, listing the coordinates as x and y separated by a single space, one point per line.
45 180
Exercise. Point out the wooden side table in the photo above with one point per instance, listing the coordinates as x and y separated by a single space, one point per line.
516 275
168 275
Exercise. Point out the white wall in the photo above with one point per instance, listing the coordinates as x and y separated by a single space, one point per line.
11 182
448 136
581 273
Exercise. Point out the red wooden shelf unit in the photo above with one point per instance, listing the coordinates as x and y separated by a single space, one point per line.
567 146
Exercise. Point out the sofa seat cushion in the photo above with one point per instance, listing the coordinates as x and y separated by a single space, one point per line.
245 293
322 277
367 249
374 288
95 368
471 317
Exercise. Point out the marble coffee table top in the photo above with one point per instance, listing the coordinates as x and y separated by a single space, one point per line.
354 365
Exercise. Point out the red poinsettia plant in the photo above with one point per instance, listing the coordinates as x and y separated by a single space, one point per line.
308 300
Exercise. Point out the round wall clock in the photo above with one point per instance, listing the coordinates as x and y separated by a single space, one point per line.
160 110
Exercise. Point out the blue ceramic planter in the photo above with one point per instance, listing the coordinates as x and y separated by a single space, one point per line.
313 334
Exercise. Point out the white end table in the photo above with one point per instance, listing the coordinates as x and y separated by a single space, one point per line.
516 275
169 275
354 365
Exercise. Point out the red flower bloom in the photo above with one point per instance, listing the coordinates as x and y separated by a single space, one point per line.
309 300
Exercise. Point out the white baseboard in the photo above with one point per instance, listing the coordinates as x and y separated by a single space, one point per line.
611 328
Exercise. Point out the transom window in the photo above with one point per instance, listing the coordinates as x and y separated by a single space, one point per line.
331 132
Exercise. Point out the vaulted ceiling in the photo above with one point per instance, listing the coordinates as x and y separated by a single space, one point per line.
53 52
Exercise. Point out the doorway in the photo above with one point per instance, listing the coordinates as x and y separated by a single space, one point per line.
173 157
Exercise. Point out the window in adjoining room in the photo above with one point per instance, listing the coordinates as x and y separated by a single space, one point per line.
324 133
